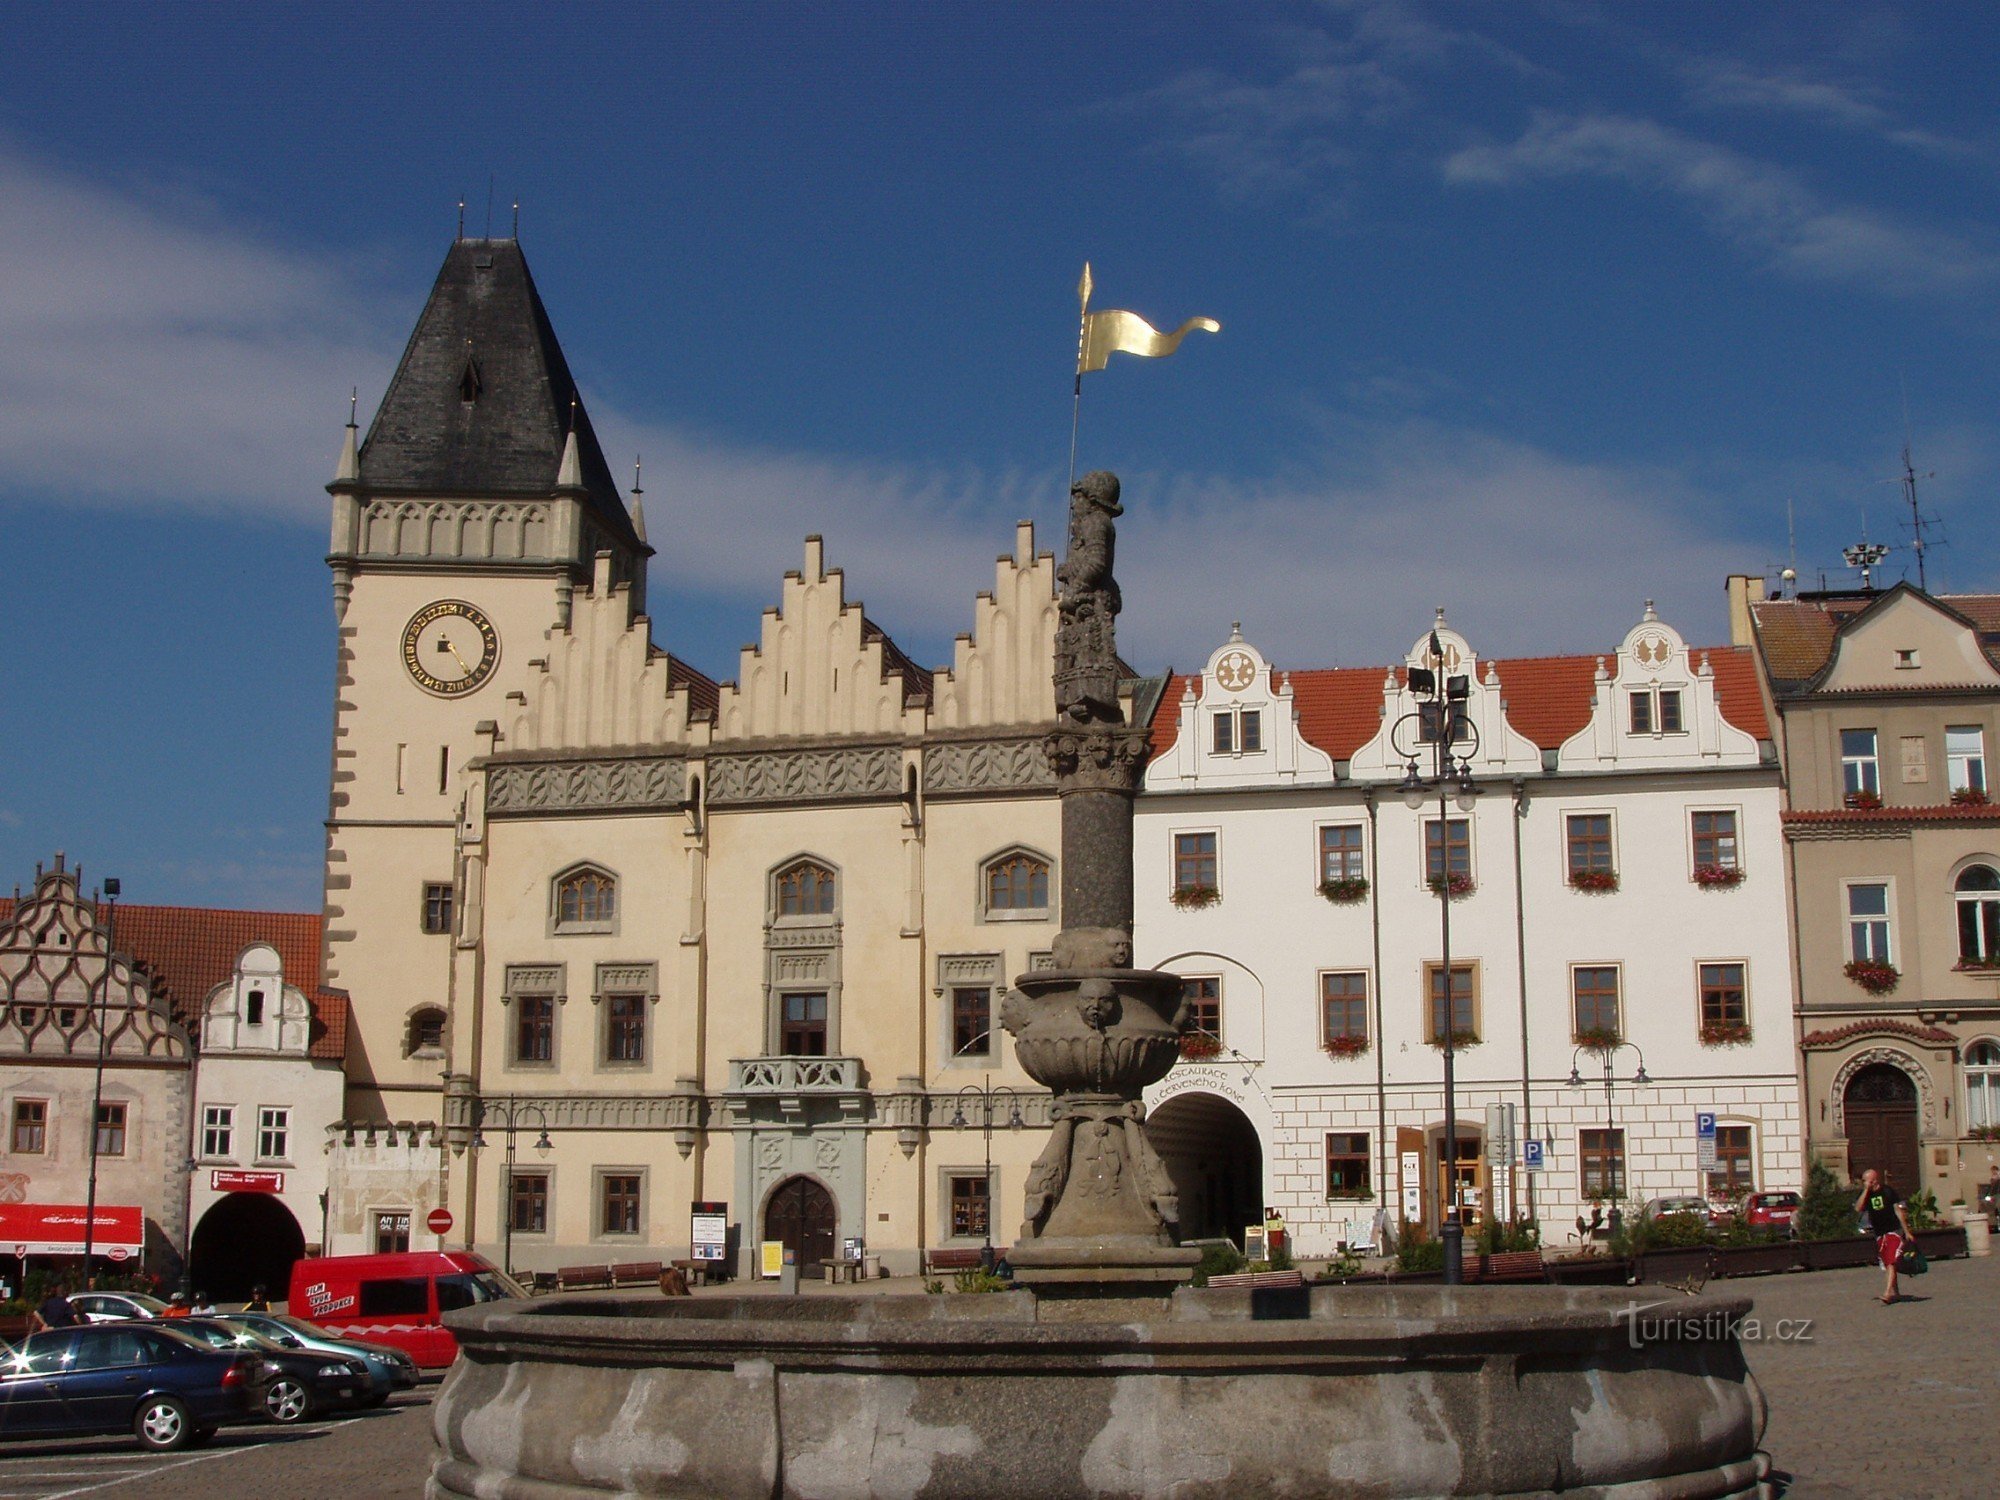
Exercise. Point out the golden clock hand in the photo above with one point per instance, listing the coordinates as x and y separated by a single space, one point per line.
456 657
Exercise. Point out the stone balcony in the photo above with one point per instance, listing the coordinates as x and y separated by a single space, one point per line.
796 1089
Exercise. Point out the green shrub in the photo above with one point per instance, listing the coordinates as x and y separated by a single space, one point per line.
1416 1250
1347 1263
1281 1258
976 1280
1217 1260
1499 1237
1678 1231
1924 1210
1826 1209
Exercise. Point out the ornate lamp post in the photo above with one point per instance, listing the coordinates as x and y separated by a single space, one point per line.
102 1008
986 1092
1612 1160
508 1111
1441 726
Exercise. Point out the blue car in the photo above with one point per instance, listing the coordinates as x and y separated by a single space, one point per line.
167 1390
388 1369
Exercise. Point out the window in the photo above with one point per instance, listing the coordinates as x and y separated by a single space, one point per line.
1642 713
805 890
1343 1002
395 1296
1346 1164
1018 882
274 1133
586 901
1978 895
1225 734
111 1129
1655 711
1859 773
437 906
620 1201
1430 716
253 1008
218 1130
1965 757
625 1028
969 1203
1594 1000
1239 732
1449 851
971 1021
534 1028
392 1236
1204 997
528 1202
1253 730
1722 996
1670 711
426 1033
1590 844
1602 1154
1194 862
1731 1177
1464 1003
1340 853
31 1126
802 1032
1868 922
1714 840
1982 1086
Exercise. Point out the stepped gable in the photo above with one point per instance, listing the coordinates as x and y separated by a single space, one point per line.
481 403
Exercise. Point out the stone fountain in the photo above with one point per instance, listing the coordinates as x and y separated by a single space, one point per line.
1103 1375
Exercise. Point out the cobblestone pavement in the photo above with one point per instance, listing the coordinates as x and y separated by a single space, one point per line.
1899 1401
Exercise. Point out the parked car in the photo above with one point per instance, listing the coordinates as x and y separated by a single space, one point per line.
1659 1208
167 1390
397 1299
1773 1209
290 1384
109 1307
388 1369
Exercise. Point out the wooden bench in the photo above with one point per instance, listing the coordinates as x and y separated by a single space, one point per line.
637 1273
950 1260
569 1278
1258 1281
1507 1265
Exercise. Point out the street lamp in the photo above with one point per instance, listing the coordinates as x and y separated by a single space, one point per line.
102 1007
986 1092
1441 725
509 1112
1612 1159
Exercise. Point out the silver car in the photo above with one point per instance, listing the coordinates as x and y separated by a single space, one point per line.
110 1307
388 1369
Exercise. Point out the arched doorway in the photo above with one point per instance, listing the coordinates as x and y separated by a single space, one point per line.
800 1213
245 1240
1880 1112
1217 1163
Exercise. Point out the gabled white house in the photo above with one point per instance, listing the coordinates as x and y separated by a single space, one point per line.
1620 898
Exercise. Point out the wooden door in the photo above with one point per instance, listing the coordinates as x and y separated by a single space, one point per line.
1881 1114
800 1214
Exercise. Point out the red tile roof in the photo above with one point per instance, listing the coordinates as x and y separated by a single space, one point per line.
1797 634
1879 1026
189 950
1942 812
1548 699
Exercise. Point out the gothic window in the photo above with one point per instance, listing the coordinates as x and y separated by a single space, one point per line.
1016 885
805 889
425 1037
1978 895
586 900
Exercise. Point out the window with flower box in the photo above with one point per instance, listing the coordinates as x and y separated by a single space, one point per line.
1977 893
1343 997
1463 1004
1196 880
1448 852
1724 1002
1860 772
1868 922
1594 1003
1965 759
1731 1177
1601 1154
1588 842
1203 1034
1717 859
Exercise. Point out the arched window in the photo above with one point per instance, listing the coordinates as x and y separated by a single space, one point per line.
805 889
586 900
1982 1085
1978 891
425 1034
1016 884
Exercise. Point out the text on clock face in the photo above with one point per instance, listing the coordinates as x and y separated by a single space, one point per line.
450 647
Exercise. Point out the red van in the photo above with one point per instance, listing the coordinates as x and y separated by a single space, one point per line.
397 1299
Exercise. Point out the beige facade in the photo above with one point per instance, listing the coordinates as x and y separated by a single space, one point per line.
1888 706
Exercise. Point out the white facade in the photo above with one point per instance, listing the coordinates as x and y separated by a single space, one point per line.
1606 762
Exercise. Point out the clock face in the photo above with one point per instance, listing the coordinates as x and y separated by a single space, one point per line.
450 648
1235 671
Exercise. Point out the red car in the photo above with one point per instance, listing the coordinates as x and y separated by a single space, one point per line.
1774 1209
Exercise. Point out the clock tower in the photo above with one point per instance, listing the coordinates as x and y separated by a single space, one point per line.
462 525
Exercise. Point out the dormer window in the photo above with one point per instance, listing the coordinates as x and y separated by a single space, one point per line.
1656 711
1239 731
253 1008
1907 661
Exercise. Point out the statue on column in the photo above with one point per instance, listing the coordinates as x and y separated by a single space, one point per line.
1086 667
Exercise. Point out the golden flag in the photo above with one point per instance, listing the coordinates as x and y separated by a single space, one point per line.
1107 333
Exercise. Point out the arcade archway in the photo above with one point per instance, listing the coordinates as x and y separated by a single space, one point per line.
1217 1163
243 1241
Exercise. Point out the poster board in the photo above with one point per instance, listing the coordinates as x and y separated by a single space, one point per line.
708 1232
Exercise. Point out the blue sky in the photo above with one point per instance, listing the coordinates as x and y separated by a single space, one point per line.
1536 311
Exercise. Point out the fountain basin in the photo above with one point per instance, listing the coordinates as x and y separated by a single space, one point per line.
1325 1391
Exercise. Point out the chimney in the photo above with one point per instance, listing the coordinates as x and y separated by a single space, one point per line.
1744 590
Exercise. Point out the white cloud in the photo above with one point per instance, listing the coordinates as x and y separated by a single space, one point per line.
1757 206
1725 83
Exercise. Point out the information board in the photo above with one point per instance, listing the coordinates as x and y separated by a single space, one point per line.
709 1231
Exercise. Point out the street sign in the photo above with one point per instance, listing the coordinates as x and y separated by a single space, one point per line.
1704 1125
439 1221
222 1180
1531 1155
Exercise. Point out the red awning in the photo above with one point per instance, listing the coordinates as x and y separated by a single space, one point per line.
57 1229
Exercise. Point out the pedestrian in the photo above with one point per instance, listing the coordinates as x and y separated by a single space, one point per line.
260 1299
1889 1221
55 1311
177 1307
203 1308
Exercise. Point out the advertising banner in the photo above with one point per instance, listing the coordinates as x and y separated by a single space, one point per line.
57 1229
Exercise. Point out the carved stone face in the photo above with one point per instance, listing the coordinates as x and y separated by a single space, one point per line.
1093 948
1097 1003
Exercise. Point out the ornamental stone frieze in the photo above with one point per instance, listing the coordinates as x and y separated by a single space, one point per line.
1098 758
986 766
586 785
806 775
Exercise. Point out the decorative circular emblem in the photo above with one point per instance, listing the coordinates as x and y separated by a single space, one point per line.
1651 650
1235 671
450 648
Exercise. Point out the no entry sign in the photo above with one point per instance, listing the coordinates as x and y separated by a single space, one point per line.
439 1221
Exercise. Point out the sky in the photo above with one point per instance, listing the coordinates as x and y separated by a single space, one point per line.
1532 311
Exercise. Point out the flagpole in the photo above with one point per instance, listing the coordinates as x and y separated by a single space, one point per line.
1076 398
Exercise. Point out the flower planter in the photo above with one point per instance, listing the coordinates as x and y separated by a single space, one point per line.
1588 1270
1345 891
1679 1264
1832 1255
1718 877
1875 978
1756 1260
1596 881
1345 1047
1455 887
1725 1034
1942 1244
1195 897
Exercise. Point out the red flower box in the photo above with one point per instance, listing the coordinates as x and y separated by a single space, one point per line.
1717 877
1345 1046
1593 880
1199 1044
1877 979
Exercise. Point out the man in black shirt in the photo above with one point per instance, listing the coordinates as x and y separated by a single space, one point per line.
1888 1220
55 1311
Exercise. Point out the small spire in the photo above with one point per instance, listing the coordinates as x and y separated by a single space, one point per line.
1439 623
348 470
638 504
1649 615
1235 632
569 475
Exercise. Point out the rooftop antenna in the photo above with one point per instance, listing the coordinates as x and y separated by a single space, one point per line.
517 218
489 205
353 404
1920 524
461 216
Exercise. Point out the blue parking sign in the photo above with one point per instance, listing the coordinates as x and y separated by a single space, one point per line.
1704 1125
1531 1155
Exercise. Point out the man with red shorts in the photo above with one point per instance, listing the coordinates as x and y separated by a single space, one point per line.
1889 1221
